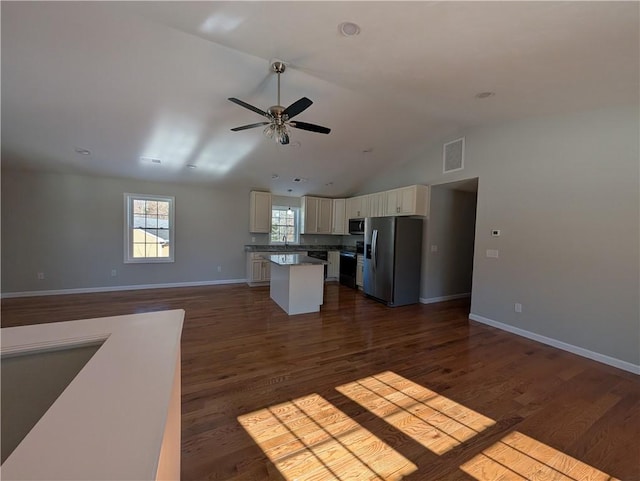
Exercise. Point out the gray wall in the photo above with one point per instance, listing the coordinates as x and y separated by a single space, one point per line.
451 228
71 228
564 191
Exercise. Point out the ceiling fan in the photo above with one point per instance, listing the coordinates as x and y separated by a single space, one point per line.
280 117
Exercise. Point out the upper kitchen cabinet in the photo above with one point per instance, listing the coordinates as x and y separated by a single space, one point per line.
315 215
260 212
412 200
376 204
358 207
339 224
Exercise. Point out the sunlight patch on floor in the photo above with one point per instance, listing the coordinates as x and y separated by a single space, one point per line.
436 422
519 457
310 439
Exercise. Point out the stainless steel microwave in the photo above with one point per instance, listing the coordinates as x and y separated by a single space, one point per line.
356 226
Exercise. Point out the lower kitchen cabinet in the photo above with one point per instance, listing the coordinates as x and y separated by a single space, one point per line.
333 268
258 268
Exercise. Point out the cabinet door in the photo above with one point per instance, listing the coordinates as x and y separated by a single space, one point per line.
309 208
324 214
377 205
256 270
333 269
359 273
351 209
339 220
392 202
407 200
260 212
266 270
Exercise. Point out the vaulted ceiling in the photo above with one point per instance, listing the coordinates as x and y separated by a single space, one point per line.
134 81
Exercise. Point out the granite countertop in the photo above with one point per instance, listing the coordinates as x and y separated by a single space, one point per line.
294 260
293 248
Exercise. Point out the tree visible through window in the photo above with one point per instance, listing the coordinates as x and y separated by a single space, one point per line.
149 229
284 225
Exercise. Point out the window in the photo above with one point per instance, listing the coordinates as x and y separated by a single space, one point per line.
148 228
285 222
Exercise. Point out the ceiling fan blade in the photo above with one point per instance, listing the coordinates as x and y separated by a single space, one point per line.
250 126
248 106
297 107
310 127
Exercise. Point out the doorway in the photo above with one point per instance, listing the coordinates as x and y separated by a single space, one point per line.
450 240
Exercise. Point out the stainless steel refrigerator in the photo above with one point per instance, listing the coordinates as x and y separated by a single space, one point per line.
392 259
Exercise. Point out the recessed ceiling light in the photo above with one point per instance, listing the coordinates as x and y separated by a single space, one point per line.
82 151
191 166
300 179
368 150
275 176
348 29
485 95
295 145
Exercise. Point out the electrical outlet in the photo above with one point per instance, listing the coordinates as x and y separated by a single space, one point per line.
492 253
518 307
219 268
40 276
114 272
253 239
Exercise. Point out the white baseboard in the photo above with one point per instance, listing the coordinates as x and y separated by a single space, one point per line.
431 300
88 290
580 351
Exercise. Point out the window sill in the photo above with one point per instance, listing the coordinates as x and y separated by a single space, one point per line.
148 261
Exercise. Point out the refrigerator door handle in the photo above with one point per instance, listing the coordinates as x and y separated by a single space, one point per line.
374 248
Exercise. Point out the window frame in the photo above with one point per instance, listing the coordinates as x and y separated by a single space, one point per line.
296 212
129 198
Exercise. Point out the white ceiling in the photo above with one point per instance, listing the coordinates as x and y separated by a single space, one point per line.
151 79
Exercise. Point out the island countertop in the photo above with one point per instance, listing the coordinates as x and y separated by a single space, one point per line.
294 260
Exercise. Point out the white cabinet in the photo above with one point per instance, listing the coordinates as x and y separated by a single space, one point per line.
258 268
358 207
315 215
260 212
412 200
377 204
333 268
360 270
339 224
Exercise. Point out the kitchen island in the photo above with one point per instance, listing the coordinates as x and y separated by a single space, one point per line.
297 282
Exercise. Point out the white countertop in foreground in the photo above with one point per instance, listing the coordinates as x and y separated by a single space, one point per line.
119 419
294 260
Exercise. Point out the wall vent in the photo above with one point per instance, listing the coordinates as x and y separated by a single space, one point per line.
453 156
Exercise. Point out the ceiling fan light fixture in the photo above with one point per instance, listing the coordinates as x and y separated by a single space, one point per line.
277 132
348 29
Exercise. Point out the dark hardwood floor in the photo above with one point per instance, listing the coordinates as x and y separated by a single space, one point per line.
526 408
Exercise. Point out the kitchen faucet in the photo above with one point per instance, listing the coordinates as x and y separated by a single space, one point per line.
284 239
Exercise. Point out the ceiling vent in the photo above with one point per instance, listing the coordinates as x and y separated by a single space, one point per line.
453 156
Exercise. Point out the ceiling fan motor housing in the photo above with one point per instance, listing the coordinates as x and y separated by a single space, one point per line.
276 112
